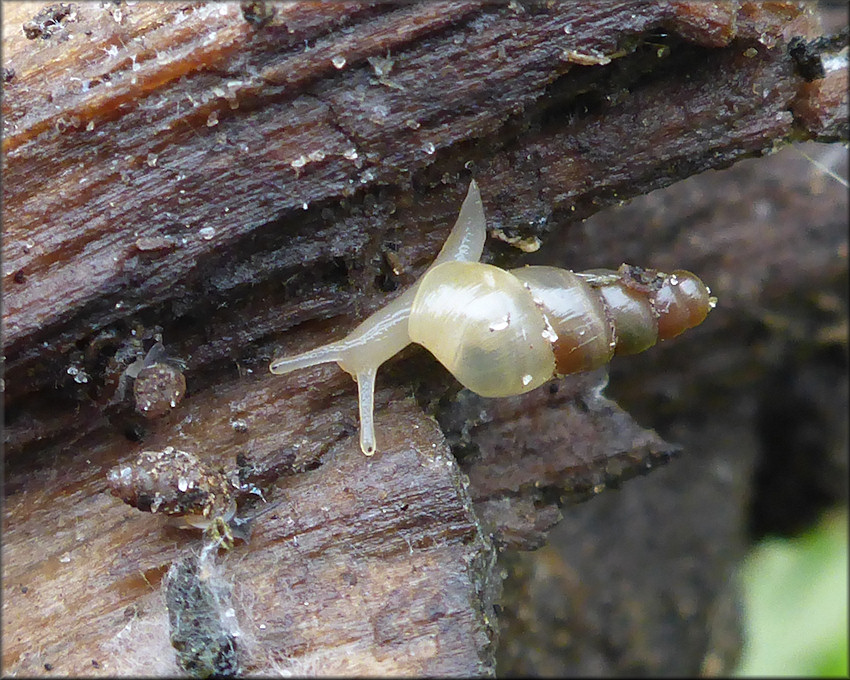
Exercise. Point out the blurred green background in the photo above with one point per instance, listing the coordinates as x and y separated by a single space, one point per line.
795 603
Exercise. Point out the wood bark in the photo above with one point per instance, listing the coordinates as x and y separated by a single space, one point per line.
237 181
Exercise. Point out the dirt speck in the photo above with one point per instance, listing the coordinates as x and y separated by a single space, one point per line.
49 20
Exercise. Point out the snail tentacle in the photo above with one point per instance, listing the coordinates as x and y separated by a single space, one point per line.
465 243
320 355
366 397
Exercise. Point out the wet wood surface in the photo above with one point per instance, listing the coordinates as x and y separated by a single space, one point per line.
239 181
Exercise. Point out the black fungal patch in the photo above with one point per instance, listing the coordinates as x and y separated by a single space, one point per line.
204 645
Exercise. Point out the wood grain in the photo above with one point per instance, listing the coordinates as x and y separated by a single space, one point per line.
242 180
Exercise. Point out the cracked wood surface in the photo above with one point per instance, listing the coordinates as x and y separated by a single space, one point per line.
217 174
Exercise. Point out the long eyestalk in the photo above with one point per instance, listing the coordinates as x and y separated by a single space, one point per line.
321 355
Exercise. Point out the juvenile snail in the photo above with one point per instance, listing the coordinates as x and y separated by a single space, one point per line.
505 332
175 483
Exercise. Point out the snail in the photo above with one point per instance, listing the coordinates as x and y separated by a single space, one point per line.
175 483
505 332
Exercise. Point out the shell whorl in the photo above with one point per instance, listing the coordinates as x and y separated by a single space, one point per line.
645 305
584 336
483 326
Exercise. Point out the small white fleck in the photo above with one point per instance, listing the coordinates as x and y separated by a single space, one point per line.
73 370
212 119
151 160
206 233
90 126
350 154
317 156
834 62
338 61
501 324
526 379
305 205
412 124
262 626
549 334
299 162
182 483
65 558
239 425
428 147
674 280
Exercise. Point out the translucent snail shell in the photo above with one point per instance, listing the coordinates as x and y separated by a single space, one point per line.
505 332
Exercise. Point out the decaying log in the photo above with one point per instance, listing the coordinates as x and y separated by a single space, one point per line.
196 188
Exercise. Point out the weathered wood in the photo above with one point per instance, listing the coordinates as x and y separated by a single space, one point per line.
347 570
226 149
219 175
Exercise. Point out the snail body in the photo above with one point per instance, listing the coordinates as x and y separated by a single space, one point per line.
506 332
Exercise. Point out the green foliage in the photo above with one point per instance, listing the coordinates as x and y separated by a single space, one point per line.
795 604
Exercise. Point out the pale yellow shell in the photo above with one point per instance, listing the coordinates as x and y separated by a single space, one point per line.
481 323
